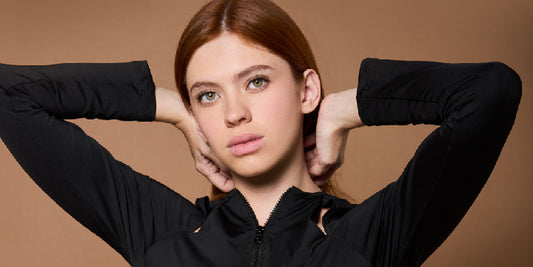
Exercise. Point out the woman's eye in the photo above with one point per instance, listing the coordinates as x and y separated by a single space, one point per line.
257 83
207 97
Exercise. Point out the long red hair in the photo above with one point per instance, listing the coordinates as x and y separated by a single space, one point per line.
259 22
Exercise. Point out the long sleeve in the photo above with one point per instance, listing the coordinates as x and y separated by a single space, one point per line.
475 106
126 209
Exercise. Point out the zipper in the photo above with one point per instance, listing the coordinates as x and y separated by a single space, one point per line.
260 230
258 241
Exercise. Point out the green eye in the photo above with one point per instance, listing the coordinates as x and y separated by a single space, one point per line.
257 83
210 96
207 97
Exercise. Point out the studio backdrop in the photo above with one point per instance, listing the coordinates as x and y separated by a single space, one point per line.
496 231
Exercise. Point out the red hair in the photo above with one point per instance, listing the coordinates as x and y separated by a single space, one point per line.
259 22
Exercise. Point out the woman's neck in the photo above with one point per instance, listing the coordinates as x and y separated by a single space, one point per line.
264 192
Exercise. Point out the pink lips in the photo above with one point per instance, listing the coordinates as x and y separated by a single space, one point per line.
246 143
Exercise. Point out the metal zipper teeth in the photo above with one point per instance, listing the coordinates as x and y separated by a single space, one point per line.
260 230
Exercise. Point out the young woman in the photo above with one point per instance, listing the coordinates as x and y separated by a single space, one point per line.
251 109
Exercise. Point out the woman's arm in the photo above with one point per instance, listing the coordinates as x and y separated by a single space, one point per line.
475 106
127 209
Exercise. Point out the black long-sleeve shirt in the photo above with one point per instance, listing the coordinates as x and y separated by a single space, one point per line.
151 225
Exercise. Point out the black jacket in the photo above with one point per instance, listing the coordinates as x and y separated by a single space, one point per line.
151 225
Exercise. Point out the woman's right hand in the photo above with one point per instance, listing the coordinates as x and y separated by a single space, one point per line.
171 109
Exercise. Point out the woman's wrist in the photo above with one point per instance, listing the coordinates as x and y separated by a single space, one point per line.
353 120
169 106
342 109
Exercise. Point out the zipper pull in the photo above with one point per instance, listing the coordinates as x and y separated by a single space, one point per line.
259 230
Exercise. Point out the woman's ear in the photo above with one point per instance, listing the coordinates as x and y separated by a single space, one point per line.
311 91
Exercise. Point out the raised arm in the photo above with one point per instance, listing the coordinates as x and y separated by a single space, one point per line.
127 209
475 106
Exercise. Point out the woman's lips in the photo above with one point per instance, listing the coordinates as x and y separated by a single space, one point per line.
246 143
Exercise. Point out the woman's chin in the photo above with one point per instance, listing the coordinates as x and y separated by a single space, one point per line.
258 173
250 173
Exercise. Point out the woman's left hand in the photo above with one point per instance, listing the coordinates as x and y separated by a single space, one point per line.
338 114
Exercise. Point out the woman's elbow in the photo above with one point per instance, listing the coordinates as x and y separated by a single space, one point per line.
508 87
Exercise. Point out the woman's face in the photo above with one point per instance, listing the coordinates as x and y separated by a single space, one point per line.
247 104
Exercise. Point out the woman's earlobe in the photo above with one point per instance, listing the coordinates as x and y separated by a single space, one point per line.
311 91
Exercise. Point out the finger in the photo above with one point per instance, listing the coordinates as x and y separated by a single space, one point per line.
218 179
325 150
311 154
210 155
322 179
222 168
317 169
214 174
310 141
206 167
221 182
311 159
213 164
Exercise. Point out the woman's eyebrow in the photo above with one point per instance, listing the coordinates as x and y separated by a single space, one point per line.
251 69
238 76
202 84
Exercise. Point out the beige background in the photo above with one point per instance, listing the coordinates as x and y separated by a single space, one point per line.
497 231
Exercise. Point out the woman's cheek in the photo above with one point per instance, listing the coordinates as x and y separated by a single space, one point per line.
281 108
210 125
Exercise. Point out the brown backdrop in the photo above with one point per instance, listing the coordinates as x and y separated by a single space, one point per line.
497 231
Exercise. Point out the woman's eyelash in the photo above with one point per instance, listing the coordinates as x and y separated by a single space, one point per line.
199 96
261 78
203 94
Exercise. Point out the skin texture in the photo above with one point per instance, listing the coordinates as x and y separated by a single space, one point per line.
237 89
239 105
240 88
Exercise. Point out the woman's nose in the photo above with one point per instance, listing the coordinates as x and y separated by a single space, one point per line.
236 112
